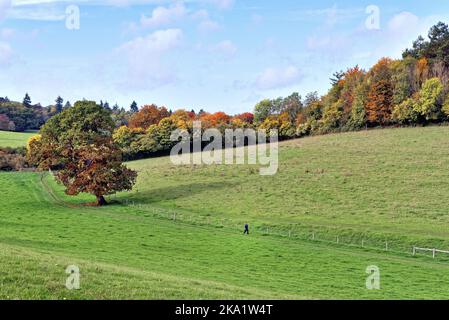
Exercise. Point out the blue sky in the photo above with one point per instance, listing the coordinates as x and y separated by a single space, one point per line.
211 54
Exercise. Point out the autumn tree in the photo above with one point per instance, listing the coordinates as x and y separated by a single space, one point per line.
147 116
218 120
380 98
77 143
243 120
183 119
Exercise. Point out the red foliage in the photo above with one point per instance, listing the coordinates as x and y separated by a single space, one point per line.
215 119
247 117
147 116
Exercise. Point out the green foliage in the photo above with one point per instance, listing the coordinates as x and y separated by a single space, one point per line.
358 114
262 110
23 118
80 125
436 48
331 117
445 107
405 112
124 136
403 80
429 100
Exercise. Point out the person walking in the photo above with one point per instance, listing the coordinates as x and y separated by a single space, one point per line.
246 229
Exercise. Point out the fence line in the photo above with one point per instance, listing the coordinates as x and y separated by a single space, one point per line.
433 250
293 233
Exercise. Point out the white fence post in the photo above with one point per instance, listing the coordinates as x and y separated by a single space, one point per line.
433 253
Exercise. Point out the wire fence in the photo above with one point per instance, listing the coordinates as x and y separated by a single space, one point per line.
337 237
368 241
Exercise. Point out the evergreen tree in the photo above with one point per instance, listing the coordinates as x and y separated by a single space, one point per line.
26 100
134 108
59 101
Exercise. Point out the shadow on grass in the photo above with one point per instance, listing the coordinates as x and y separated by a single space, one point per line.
168 193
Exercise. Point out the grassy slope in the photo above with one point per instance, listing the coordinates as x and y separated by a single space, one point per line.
139 256
14 139
133 256
382 184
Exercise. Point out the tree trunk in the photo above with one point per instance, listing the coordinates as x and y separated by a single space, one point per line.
101 201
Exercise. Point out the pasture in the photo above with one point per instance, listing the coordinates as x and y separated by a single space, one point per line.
14 139
371 186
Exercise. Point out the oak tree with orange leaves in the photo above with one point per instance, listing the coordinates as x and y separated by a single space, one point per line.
78 145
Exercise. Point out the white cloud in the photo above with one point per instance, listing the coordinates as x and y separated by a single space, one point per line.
162 16
401 30
157 42
145 57
226 48
273 78
403 22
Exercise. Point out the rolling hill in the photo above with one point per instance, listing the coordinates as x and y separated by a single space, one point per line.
338 204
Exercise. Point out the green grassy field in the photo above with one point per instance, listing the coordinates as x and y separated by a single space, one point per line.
371 186
14 139
375 185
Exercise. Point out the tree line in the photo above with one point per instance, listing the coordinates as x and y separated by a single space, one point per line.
408 91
